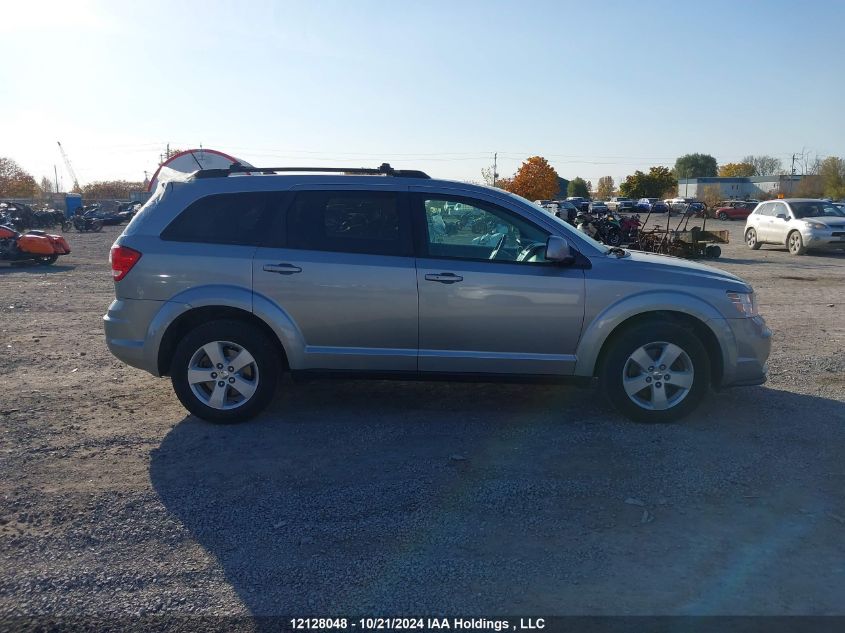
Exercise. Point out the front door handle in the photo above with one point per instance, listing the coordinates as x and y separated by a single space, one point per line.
282 269
444 278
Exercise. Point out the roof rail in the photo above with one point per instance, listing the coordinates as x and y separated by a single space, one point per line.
384 170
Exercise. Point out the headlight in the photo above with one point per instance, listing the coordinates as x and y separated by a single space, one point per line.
815 225
744 302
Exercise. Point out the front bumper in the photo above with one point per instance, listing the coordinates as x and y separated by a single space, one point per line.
824 239
753 341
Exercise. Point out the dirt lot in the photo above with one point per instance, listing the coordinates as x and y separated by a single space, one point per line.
410 498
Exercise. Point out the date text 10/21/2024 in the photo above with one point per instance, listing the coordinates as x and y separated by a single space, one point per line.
431 624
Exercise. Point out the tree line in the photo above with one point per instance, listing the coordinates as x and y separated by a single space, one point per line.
15 182
536 179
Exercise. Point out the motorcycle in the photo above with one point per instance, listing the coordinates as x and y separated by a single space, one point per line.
629 228
34 246
604 229
85 224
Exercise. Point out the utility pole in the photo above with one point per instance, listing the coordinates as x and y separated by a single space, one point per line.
792 174
495 159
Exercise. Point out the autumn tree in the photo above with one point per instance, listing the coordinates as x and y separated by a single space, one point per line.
655 184
711 195
605 188
578 187
764 165
736 170
832 173
45 186
696 166
111 189
535 180
15 182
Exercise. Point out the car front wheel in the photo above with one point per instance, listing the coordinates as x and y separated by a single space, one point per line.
655 372
795 243
723 216
751 240
225 371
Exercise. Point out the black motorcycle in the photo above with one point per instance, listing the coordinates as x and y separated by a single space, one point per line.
603 228
85 224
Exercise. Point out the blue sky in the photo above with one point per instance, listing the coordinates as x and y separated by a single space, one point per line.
599 88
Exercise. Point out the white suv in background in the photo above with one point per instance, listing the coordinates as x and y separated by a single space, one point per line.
797 223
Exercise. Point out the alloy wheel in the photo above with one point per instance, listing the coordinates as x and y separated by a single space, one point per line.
658 376
223 375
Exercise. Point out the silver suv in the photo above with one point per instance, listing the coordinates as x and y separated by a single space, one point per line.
226 279
799 224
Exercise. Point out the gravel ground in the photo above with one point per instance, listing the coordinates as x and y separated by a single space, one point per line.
386 498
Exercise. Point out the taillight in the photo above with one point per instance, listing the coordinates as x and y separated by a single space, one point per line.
122 259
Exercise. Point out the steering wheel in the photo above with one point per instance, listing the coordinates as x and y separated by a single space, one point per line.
531 251
501 243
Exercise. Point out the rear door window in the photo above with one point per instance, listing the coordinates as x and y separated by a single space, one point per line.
371 222
226 218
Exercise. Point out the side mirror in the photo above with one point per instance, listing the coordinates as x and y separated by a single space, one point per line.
559 250
780 216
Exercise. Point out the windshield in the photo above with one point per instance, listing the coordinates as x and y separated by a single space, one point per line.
814 209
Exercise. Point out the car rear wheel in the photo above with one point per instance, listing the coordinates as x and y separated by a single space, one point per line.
795 243
225 371
655 372
751 240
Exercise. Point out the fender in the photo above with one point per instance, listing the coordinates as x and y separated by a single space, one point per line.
603 324
230 297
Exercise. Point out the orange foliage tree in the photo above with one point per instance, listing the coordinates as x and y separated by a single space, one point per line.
535 180
14 181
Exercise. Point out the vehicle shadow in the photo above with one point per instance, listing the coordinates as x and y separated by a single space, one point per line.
422 498
5 268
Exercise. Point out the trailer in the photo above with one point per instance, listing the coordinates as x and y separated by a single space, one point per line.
690 243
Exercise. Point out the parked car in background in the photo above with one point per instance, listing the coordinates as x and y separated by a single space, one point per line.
800 224
596 206
733 210
223 283
644 204
674 201
583 204
620 203
563 209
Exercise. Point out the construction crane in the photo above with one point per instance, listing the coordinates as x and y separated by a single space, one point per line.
69 167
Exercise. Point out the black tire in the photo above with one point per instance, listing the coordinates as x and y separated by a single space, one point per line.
47 260
97 226
723 216
795 243
613 238
751 240
713 251
260 347
618 359
66 226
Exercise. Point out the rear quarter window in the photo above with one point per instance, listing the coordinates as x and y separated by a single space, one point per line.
226 218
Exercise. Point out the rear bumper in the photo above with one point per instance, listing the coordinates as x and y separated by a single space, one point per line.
753 345
126 325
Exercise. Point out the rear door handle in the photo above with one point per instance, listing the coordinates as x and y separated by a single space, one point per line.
444 278
282 269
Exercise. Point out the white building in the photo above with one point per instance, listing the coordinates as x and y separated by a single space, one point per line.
740 188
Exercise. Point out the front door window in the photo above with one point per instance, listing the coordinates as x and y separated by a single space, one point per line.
481 232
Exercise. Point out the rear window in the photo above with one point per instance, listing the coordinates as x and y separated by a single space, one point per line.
226 218
370 222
